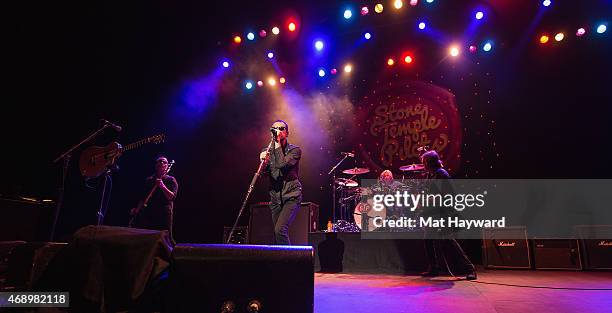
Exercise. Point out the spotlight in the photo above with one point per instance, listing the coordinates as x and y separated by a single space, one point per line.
333 71
367 36
581 31
319 45
282 80
237 39
546 3
348 68
225 64
601 28
321 72
414 2
487 46
271 81
422 25
251 36
398 4
248 85
348 14
543 39
262 33
291 26
479 15
378 8
390 62
472 48
275 30
408 59
259 83
430 1
559 36
270 55
454 51
365 10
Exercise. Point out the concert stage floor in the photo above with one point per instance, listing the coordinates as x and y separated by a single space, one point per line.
368 293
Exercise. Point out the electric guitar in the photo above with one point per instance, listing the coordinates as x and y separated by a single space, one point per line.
95 160
144 203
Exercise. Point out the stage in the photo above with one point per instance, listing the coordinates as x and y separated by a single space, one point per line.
548 291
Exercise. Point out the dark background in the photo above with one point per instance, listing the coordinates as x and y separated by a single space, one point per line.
72 63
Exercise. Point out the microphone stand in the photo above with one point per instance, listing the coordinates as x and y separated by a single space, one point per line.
66 157
334 188
251 187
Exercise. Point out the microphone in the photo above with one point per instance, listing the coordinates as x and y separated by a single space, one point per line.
274 132
348 154
115 127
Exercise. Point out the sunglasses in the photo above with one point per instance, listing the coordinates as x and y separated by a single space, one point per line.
281 128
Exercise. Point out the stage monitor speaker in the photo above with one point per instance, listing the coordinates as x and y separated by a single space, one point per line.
506 248
204 277
556 254
25 220
261 229
596 246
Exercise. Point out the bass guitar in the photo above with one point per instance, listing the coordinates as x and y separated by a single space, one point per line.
144 203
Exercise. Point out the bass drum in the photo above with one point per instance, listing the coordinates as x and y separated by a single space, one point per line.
364 215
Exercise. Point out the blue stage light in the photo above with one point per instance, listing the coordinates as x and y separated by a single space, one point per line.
248 85
348 14
546 3
479 15
321 72
367 36
601 28
270 55
225 64
430 1
487 46
319 45
422 25
250 36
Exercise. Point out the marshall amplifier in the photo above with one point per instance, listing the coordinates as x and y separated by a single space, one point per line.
557 254
596 246
506 247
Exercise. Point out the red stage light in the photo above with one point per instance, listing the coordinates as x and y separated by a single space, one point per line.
390 62
237 39
408 59
291 26
544 39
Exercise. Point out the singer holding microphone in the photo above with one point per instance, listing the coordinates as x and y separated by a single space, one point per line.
282 167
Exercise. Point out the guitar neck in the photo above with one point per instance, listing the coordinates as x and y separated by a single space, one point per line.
137 144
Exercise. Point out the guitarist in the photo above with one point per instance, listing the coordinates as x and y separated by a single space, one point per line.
157 212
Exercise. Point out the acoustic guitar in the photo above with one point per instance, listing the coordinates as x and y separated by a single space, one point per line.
95 160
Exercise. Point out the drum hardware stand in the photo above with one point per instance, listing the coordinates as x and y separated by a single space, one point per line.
332 172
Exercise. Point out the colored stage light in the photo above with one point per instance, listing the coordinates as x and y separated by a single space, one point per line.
225 64
333 71
398 4
454 51
259 83
543 39
270 55
546 3
291 26
559 36
348 14
365 10
282 80
601 28
237 39
250 36
248 85
348 68
581 31
367 36
487 46
414 2
408 59
321 72
472 49
262 33
275 30
390 62
430 1
378 8
422 25
319 45
479 15
271 81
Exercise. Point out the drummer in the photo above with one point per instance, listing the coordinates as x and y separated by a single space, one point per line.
386 183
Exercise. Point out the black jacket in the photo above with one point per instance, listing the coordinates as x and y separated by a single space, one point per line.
283 171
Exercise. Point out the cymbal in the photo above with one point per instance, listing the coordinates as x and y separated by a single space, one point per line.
346 182
412 167
356 171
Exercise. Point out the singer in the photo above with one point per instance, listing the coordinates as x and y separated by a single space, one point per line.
282 167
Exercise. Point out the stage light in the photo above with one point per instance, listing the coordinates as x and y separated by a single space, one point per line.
248 85
581 31
408 59
348 68
430 1
333 71
601 28
225 64
348 14
270 55
271 81
237 39
262 33
291 26
487 46
479 15
259 83
472 49
559 36
321 72
546 3
378 8
251 36
365 10
543 39
398 4
414 2
367 36
319 45
390 62
454 51
275 30
422 25
282 80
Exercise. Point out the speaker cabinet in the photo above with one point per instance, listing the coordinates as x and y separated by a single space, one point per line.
203 277
261 229
596 246
556 254
506 248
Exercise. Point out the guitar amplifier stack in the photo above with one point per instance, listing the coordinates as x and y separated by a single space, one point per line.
506 248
